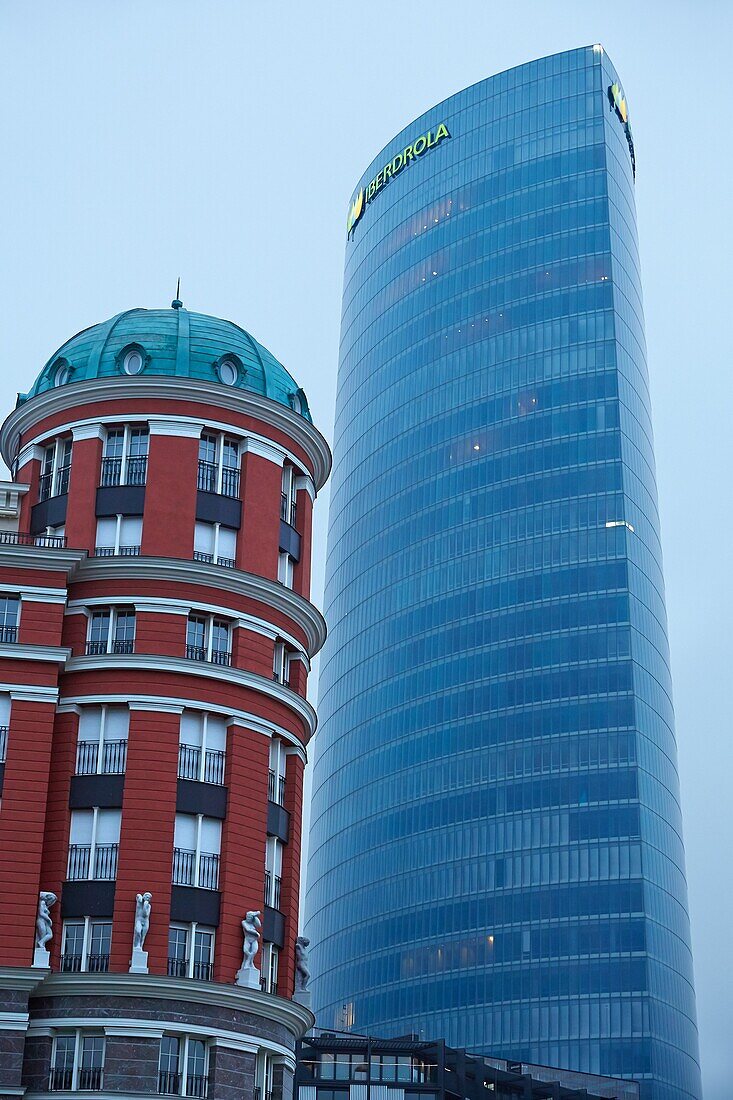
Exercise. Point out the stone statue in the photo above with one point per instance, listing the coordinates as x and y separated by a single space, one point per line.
251 927
142 920
302 970
44 924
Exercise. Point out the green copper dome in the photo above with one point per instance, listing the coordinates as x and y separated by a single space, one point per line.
172 343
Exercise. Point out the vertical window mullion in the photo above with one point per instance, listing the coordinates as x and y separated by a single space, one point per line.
204 732
209 636
197 857
216 542
100 742
77 1060
125 453
85 944
184 1067
110 628
93 845
192 952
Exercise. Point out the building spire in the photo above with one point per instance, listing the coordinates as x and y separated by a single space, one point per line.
177 303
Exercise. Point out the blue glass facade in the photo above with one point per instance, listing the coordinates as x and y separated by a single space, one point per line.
496 848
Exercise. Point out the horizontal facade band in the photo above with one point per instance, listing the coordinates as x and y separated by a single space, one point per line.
176 705
235 581
294 1017
156 388
23 651
181 666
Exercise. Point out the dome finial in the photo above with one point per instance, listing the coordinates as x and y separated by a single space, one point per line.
177 303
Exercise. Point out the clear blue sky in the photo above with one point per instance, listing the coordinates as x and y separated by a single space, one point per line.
143 139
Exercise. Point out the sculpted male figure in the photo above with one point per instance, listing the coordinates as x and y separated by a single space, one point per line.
142 920
251 928
302 970
44 924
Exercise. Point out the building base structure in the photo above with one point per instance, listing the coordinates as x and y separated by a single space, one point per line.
156 634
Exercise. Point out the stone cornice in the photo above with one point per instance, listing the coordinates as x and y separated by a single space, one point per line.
153 662
290 1014
21 977
155 388
22 651
40 557
187 572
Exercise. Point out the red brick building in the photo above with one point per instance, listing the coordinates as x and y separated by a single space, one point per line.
155 640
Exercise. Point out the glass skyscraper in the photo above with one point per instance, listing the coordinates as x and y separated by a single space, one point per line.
496 846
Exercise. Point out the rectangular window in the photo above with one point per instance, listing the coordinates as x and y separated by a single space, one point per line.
55 470
111 630
218 470
86 945
118 536
183 1067
197 843
125 460
208 639
288 509
281 663
285 568
276 776
202 749
191 952
5 704
273 872
9 615
270 960
215 544
102 741
77 1062
93 844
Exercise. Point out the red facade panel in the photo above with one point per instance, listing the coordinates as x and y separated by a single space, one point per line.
290 894
170 497
81 520
261 490
40 623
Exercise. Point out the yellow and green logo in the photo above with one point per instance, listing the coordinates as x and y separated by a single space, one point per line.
617 102
409 154
355 211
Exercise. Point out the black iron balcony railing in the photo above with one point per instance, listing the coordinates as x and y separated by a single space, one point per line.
8 634
185 868
102 865
96 964
276 788
202 971
17 538
3 743
189 764
90 1078
288 510
50 485
60 1080
180 968
111 760
201 653
123 646
172 1083
135 471
210 559
120 552
213 480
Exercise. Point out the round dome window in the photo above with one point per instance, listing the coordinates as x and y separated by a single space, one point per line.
133 362
228 372
62 374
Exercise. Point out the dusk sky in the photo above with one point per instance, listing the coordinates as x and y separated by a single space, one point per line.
221 141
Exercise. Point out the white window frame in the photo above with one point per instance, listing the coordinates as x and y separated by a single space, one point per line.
183 1048
221 438
94 842
124 458
270 967
285 569
204 748
86 938
117 547
57 450
214 558
281 664
192 929
277 770
288 510
101 741
114 614
79 1037
274 868
198 853
209 619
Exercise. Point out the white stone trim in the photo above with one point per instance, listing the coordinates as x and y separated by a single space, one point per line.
141 1029
87 430
306 482
23 651
181 665
257 446
55 559
36 693
160 706
181 427
187 572
169 703
36 593
13 1021
160 388
158 607
32 452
